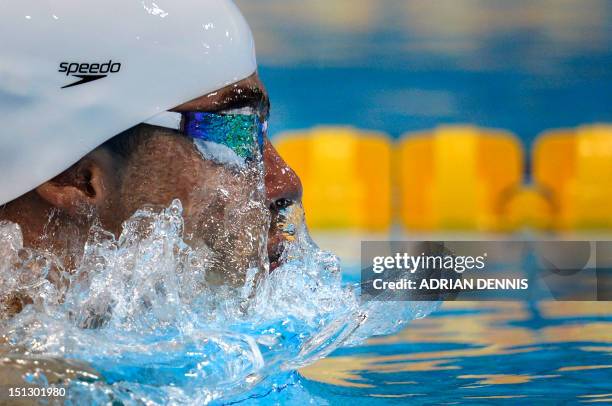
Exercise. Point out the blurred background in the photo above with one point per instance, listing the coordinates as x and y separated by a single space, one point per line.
451 119
471 115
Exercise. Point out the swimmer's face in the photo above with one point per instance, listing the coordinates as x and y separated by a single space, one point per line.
225 208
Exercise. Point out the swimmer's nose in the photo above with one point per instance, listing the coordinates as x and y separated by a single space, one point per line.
283 186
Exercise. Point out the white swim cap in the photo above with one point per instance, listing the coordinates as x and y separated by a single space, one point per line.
75 73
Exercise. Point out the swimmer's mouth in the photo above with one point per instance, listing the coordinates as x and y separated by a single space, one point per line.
277 241
282 230
275 253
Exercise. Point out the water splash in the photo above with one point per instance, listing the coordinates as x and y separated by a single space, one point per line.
145 326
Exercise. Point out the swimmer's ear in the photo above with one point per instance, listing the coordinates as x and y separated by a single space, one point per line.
79 187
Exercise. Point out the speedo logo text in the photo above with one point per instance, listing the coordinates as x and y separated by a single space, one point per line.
88 72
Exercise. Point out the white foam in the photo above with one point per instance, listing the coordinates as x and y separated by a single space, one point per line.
139 311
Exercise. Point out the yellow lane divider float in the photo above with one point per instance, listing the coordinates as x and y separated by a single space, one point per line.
453 178
457 178
574 169
346 174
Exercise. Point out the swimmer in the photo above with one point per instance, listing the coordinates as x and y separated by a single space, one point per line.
182 114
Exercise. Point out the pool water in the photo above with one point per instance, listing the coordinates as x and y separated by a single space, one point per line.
501 352
525 66
479 353
300 336
467 353
138 322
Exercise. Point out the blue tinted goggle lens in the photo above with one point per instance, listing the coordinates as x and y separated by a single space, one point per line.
243 133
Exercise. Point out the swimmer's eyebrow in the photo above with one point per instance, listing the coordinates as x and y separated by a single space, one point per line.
230 98
244 96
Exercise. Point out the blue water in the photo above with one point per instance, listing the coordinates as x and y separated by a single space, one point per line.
380 98
556 360
145 325
524 66
169 339
466 353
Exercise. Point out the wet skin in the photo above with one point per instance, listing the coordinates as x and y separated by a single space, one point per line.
222 208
